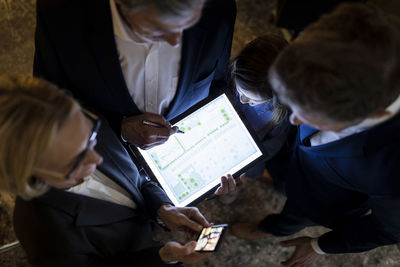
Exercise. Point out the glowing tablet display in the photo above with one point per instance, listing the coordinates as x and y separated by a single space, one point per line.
215 143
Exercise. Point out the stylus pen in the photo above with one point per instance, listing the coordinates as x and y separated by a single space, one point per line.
153 124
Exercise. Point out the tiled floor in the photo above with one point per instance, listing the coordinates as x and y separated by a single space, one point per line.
17 20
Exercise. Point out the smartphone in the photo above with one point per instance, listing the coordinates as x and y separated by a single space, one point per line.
210 237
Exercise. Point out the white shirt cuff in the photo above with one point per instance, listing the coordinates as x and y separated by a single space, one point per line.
315 246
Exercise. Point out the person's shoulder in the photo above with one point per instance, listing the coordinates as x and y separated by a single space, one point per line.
220 9
55 7
227 4
218 16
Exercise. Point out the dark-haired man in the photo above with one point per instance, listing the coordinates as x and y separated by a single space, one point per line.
135 60
341 80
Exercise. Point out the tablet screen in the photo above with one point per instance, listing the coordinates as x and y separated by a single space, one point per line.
215 142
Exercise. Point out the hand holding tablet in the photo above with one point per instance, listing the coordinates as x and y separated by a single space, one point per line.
216 142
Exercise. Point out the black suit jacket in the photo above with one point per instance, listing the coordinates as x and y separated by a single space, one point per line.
296 15
67 229
337 183
75 49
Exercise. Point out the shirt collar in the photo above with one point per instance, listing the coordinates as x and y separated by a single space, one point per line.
394 109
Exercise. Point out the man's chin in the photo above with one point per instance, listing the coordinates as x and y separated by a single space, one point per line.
88 172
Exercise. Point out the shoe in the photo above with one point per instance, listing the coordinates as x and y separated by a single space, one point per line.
249 231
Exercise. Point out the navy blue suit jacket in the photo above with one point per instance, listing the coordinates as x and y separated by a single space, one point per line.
66 229
75 49
351 185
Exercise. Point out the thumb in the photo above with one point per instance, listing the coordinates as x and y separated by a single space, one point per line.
243 179
290 242
174 129
219 191
188 248
158 119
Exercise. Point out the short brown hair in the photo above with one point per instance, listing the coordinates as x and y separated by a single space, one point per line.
31 113
345 67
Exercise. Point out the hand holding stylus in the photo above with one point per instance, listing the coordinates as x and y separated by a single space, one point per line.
140 130
149 123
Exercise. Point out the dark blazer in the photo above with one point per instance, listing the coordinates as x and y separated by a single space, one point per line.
338 183
296 15
67 229
75 49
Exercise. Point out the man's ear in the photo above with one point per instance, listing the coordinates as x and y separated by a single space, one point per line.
380 114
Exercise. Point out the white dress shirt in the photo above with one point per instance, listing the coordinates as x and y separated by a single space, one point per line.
99 186
324 137
150 69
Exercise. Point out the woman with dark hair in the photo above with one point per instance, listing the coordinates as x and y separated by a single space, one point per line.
249 78
266 115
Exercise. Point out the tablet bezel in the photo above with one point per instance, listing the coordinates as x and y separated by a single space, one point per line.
194 108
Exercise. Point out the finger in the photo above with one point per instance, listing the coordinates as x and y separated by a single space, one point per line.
231 184
164 132
291 242
185 221
153 144
188 248
224 185
218 191
158 119
148 146
242 179
197 216
175 129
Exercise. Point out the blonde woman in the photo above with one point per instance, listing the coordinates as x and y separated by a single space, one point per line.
68 213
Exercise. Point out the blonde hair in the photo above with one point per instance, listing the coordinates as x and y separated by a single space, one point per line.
31 113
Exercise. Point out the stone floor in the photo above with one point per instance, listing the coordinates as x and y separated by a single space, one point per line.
17 21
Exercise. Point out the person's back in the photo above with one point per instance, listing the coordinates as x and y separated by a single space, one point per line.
340 79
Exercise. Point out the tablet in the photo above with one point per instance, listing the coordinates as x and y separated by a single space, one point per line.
215 142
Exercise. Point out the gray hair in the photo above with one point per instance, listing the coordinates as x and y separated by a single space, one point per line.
171 8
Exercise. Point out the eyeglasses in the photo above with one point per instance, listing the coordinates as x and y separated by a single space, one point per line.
245 99
92 139
90 144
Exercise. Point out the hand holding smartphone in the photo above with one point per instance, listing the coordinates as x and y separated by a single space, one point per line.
210 237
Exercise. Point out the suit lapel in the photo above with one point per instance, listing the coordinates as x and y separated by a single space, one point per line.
87 210
346 147
102 43
306 132
192 45
117 164
123 177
